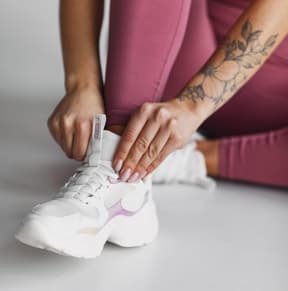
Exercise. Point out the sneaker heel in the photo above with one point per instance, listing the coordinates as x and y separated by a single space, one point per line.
137 230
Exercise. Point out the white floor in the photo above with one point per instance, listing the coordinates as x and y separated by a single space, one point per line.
233 239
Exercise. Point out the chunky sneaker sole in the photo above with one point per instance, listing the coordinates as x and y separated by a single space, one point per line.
134 230
94 206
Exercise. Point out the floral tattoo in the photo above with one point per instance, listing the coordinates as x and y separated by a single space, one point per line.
214 81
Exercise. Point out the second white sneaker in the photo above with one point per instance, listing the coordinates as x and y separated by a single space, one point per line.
186 165
93 207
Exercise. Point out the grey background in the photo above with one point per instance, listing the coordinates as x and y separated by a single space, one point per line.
30 53
233 239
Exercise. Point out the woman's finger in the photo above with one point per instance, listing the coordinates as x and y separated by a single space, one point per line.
80 139
174 142
130 134
66 127
153 151
54 128
139 148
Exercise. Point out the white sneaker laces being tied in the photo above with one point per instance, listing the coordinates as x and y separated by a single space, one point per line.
93 207
91 180
89 183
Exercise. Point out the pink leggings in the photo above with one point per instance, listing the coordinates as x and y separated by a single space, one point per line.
155 47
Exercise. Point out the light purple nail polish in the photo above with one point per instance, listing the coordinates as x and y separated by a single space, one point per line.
119 165
143 174
133 178
125 175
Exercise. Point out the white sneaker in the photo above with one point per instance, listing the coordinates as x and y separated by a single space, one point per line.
93 207
186 165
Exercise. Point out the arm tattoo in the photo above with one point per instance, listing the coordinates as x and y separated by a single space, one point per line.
214 81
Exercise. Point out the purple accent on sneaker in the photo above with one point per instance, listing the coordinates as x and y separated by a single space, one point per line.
117 209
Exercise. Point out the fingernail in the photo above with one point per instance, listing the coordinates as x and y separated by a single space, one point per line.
118 166
143 174
133 178
125 175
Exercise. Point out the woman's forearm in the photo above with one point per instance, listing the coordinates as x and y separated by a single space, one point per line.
80 23
247 45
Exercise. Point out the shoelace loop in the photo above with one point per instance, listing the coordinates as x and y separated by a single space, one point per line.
89 182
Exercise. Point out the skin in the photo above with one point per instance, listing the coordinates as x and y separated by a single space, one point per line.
209 148
157 129
70 123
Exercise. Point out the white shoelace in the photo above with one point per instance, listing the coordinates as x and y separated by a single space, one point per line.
89 183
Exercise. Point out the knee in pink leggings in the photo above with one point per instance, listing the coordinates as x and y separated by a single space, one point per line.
155 48
143 49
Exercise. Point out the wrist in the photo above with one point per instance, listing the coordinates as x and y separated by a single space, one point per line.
199 109
86 89
82 82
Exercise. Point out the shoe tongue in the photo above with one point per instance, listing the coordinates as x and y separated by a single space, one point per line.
109 145
102 144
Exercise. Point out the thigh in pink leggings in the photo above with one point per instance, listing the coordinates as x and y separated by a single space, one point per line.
145 39
155 47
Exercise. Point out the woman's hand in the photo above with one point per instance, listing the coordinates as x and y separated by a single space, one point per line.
153 132
71 122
